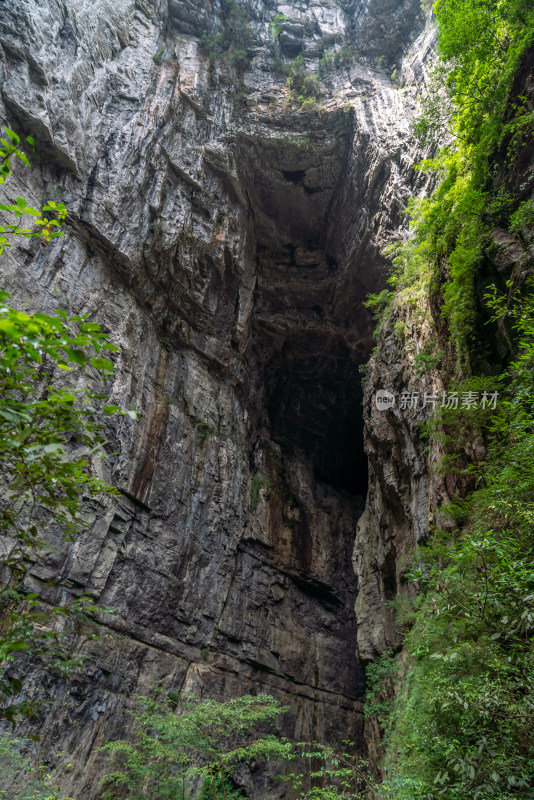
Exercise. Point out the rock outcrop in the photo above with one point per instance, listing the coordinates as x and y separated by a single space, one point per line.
225 240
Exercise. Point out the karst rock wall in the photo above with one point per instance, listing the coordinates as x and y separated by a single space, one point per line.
225 241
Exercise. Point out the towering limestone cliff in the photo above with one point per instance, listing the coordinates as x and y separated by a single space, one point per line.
225 239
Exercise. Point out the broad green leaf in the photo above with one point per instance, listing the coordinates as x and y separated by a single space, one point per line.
89 326
78 356
22 156
12 135
102 364
111 409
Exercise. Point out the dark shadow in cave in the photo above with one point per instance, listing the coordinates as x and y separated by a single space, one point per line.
314 268
314 402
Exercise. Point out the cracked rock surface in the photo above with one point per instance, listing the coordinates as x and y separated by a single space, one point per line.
225 240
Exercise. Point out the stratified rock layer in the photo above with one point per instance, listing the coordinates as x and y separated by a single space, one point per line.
225 241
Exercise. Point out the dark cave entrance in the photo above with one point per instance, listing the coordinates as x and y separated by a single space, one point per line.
315 266
315 404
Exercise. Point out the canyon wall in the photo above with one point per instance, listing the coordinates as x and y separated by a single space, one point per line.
225 240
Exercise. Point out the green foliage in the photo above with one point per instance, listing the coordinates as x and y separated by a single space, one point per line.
305 88
10 149
209 46
457 429
44 412
281 67
428 359
400 329
379 304
380 683
12 759
49 433
523 218
234 44
309 104
326 62
364 370
15 760
203 430
480 46
334 775
40 791
241 95
461 727
48 221
158 57
221 789
405 607
177 742
409 282
276 25
452 228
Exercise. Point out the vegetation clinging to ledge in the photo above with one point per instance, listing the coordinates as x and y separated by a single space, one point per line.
235 42
305 89
461 724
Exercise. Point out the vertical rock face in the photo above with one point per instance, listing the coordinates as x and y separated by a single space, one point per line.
404 489
225 241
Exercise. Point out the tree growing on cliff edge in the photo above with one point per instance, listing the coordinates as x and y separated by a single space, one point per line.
50 430
179 744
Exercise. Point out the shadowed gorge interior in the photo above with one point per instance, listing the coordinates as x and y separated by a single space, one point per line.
315 404
311 331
